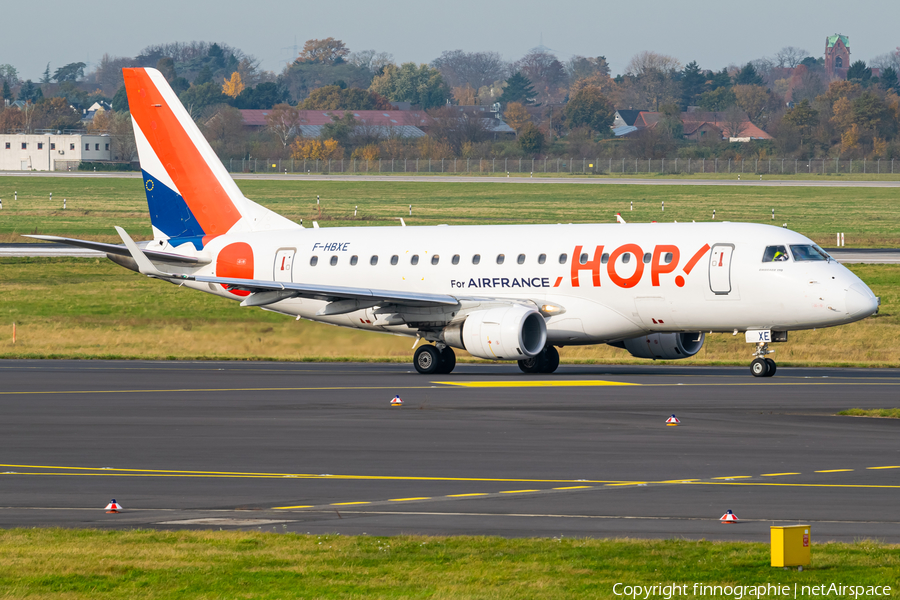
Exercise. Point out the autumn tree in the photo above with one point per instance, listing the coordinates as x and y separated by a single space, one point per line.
718 99
546 74
333 97
419 85
590 108
452 128
516 116
306 149
464 95
475 69
802 116
651 80
223 127
328 51
873 115
283 121
531 139
752 99
233 86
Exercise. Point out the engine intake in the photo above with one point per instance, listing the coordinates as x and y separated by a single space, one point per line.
668 346
505 333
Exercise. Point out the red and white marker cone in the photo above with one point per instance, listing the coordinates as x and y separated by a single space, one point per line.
113 507
672 421
729 517
396 401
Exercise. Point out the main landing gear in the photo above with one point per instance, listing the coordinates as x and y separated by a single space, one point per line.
545 362
431 360
762 366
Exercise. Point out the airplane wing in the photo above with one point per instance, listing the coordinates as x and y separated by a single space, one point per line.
164 257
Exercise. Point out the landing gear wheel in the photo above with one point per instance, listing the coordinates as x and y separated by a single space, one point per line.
759 367
448 361
772 367
427 360
552 359
535 364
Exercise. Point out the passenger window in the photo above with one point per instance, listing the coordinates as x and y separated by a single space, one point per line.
667 259
647 258
333 260
605 258
414 260
809 253
626 258
775 254
501 258
521 259
353 260
394 259
313 261
542 259
374 260
583 258
476 259
435 259
455 260
563 258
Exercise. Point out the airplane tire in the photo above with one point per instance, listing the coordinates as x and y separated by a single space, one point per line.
551 362
427 360
772 367
759 367
535 364
448 361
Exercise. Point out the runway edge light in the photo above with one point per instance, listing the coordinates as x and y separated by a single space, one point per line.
672 421
113 507
729 517
396 401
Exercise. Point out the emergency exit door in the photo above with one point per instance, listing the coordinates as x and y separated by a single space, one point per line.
720 269
284 258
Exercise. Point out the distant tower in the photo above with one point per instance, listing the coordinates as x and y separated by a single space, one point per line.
837 56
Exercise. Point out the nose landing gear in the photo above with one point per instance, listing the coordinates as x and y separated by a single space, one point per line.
763 366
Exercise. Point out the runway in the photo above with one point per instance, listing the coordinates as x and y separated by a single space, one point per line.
487 450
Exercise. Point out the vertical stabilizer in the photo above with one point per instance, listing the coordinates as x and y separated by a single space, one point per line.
191 196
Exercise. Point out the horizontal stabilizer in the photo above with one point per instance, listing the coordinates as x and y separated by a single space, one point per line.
165 257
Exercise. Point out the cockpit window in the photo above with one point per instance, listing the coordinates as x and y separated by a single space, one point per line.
812 252
775 254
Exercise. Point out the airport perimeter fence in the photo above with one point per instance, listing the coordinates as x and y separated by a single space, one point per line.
570 166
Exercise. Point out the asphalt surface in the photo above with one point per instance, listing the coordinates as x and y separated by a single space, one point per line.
318 448
748 179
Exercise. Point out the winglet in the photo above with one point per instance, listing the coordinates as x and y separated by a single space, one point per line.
144 265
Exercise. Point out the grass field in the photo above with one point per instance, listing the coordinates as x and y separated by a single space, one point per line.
869 217
881 413
92 308
56 563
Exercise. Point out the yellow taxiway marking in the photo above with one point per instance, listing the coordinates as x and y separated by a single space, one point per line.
519 491
778 474
835 471
895 467
534 383
409 499
346 503
627 483
678 481
291 507
824 485
111 472
575 487
734 477
466 495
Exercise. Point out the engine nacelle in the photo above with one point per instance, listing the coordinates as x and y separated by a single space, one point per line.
504 333
667 346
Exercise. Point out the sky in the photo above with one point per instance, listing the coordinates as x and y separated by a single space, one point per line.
715 34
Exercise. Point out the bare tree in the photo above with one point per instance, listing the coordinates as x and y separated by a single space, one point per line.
790 56
646 62
546 73
284 121
453 128
476 69
735 121
889 59
375 62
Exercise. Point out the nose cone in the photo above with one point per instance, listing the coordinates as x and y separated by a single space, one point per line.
861 302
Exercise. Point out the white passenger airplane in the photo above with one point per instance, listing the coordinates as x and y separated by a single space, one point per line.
500 292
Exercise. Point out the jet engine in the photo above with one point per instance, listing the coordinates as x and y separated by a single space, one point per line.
505 333
668 346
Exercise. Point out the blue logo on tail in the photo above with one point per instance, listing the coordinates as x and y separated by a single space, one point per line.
170 214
